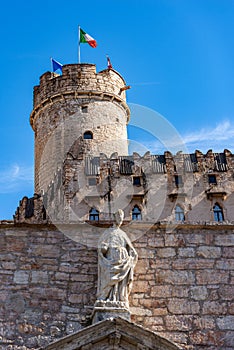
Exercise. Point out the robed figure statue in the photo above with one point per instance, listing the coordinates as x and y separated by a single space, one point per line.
116 261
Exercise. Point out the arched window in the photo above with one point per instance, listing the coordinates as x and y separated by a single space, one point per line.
179 213
136 213
93 214
218 212
88 135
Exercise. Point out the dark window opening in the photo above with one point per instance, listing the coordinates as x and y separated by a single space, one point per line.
92 181
84 109
178 180
136 181
93 215
126 166
218 213
88 135
29 209
212 179
179 213
136 213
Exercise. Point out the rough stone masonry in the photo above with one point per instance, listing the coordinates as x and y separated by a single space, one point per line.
178 214
183 287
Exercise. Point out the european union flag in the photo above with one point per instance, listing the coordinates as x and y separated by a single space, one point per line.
56 65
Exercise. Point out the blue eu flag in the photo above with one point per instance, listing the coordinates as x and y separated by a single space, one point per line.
56 65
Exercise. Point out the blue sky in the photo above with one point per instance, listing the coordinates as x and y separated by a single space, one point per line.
178 57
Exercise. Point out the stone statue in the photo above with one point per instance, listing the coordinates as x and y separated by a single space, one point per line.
116 261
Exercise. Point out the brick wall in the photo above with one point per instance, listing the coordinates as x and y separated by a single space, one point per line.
183 287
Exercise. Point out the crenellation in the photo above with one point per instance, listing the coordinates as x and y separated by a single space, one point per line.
82 77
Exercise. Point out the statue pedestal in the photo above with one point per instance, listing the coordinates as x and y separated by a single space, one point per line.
110 309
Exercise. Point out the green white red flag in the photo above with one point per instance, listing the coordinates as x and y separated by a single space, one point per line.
87 39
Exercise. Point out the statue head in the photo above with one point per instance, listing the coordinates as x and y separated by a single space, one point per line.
119 216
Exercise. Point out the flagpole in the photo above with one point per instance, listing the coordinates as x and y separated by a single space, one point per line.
51 65
78 44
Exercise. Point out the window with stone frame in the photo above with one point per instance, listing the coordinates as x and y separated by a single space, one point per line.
136 213
178 180
136 181
84 109
88 135
92 181
218 213
93 214
212 179
179 213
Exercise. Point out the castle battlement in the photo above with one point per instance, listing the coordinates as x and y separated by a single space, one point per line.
79 81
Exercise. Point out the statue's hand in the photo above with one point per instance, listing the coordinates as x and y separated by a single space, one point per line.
104 248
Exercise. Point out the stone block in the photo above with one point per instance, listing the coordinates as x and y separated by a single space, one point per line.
224 240
183 323
40 277
62 276
209 252
21 277
204 322
9 265
226 323
225 264
214 308
186 252
161 291
139 311
199 293
182 306
226 292
228 252
166 252
212 277
175 277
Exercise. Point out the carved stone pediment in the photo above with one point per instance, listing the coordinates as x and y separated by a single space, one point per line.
216 191
113 334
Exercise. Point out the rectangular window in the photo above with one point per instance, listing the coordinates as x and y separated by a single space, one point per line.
84 109
92 181
136 180
178 180
212 179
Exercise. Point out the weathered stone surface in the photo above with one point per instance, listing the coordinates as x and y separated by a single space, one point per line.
181 306
21 277
226 322
199 293
186 297
209 252
40 277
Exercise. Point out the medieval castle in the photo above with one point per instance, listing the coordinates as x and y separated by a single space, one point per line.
178 214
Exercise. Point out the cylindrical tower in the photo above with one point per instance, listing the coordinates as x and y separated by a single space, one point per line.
81 104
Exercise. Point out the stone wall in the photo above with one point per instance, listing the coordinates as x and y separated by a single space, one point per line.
183 287
70 195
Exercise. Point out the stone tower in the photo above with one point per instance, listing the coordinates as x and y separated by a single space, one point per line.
80 107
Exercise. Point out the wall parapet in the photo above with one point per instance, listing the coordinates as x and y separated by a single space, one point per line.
79 79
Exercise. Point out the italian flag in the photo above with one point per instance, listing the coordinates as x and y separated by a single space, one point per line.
87 39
